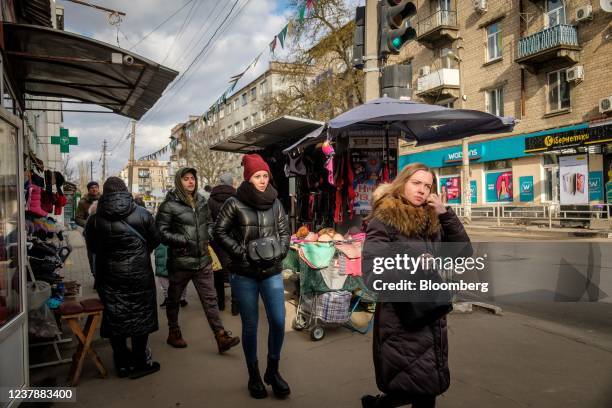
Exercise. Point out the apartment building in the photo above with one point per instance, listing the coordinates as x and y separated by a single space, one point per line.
149 179
545 62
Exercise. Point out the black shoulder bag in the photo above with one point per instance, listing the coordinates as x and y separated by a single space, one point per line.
267 249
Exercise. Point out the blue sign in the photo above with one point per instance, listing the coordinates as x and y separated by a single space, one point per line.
473 191
457 156
595 186
499 186
526 188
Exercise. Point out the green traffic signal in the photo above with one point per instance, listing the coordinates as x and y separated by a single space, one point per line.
397 43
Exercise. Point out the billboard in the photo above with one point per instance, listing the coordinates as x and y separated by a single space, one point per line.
574 179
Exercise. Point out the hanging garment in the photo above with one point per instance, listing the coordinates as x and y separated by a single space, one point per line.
338 213
350 258
331 275
351 194
34 201
60 203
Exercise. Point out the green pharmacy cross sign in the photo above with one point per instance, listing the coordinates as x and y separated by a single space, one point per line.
64 140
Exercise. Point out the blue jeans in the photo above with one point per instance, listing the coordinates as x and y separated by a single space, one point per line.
247 291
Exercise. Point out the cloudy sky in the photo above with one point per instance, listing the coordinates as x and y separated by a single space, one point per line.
248 35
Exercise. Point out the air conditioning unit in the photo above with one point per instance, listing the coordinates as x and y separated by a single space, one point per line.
584 13
480 6
575 73
605 104
424 71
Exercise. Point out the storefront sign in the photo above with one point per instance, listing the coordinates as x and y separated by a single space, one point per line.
473 191
526 189
571 137
499 186
573 176
595 186
450 190
454 157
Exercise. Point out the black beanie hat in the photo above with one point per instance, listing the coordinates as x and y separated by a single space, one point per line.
114 185
91 184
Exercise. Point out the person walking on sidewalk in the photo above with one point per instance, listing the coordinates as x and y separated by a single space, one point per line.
218 196
183 221
161 271
82 214
123 235
254 216
410 338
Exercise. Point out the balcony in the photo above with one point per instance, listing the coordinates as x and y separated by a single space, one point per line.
443 83
441 25
553 44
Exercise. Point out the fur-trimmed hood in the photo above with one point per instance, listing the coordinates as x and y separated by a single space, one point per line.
407 219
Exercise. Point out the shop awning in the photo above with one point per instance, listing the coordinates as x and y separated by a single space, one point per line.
281 131
49 62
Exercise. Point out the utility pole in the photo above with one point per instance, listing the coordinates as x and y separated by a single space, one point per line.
103 179
91 170
131 162
465 181
371 70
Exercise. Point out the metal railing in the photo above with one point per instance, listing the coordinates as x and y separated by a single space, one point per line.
548 213
442 18
561 34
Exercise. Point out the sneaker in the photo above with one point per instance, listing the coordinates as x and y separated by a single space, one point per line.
184 303
225 341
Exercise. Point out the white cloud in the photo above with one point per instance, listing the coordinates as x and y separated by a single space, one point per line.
248 35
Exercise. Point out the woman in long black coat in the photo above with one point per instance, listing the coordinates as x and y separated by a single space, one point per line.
410 338
122 235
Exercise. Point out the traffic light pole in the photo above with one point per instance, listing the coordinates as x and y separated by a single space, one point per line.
371 70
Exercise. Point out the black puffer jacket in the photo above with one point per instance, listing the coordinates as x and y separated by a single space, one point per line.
239 223
411 358
218 197
184 230
124 276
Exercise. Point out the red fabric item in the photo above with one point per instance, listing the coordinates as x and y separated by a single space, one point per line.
34 205
46 201
60 202
385 175
252 164
350 179
338 214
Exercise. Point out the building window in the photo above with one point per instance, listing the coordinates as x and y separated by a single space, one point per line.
254 119
235 104
494 42
558 91
555 12
222 133
236 127
229 130
262 87
245 123
495 101
253 94
228 109
221 114
244 99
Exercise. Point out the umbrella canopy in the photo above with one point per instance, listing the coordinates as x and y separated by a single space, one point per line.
420 122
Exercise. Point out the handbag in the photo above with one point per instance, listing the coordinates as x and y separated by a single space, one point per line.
267 249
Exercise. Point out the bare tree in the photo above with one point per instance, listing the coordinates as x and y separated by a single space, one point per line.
83 169
67 168
211 164
321 43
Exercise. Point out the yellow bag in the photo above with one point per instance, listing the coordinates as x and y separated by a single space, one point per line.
216 265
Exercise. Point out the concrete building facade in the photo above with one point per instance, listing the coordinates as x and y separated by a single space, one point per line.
544 62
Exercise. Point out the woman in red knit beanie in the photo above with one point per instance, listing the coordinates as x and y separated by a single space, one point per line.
255 215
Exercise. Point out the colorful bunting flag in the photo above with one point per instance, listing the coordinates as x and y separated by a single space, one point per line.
273 45
302 12
282 35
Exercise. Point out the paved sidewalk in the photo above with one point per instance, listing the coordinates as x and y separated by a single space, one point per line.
496 361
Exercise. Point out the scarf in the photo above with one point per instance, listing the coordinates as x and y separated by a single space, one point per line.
262 201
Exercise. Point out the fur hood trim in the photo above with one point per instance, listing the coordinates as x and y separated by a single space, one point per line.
407 219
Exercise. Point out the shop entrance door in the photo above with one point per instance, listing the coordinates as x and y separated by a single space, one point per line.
551 183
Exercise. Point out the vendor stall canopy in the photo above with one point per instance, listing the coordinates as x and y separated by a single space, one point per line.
49 62
414 121
279 132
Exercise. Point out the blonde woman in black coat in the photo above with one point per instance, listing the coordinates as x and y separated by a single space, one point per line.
411 346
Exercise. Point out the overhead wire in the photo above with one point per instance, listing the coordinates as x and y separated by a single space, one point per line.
186 22
161 24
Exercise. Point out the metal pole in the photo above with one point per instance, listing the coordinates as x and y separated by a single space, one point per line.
465 181
131 161
371 85
91 170
103 163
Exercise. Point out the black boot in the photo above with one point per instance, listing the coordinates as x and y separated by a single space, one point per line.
272 377
256 387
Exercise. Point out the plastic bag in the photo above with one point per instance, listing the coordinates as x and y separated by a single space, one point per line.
41 322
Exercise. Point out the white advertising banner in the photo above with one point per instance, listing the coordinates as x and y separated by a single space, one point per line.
574 177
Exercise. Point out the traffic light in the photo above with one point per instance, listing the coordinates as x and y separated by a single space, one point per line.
359 38
394 25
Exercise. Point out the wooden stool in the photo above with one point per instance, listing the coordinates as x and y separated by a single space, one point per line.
71 311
